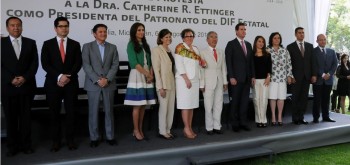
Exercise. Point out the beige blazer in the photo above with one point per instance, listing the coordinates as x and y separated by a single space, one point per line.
215 72
162 68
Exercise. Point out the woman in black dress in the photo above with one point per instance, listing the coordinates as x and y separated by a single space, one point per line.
344 80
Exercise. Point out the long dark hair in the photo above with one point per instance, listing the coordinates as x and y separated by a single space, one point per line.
133 39
264 52
341 60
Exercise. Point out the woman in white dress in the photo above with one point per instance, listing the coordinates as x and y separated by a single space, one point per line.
187 76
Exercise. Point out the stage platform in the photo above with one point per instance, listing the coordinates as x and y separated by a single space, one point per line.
278 139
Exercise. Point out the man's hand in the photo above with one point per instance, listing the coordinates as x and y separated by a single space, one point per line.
103 82
233 81
18 81
64 79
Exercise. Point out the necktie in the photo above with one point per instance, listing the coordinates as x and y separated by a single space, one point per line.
301 49
62 50
324 55
215 55
16 47
244 48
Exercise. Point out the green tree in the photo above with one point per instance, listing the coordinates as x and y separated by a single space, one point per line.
338 29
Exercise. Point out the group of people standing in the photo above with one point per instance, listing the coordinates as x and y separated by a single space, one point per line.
179 74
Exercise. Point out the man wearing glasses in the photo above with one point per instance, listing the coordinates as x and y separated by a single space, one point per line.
61 59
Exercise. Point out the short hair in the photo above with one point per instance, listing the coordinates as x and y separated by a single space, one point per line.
240 24
58 19
94 30
271 39
8 20
211 32
186 31
161 34
298 28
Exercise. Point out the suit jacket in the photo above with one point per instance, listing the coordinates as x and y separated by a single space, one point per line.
301 66
215 72
94 67
186 65
239 65
52 63
162 67
26 66
324 64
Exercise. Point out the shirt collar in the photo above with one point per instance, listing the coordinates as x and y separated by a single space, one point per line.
59 39
13 38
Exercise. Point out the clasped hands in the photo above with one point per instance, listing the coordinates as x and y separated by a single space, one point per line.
102 82
149 78
18 81
64 80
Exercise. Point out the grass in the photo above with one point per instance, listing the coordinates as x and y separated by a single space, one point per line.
329 155
338 154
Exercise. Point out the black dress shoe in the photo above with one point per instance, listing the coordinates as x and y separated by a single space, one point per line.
328 120
28 151
112 142
93 143
11 152
55 147
315 121
296 122
235 129
165 137
72 146
218 131
244 127
210 132
303 122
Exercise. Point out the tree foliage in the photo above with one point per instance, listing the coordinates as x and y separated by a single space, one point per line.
338 29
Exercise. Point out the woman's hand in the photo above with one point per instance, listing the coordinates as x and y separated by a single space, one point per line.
162 92
188 83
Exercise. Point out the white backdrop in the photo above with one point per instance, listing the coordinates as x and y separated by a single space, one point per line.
262 18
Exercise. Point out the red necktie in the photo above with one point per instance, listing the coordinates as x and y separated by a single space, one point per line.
243 47
62 50
215 55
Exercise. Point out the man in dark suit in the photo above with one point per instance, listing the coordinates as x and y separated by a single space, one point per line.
301 56
61 59
100 63
240 68
19 64
325 63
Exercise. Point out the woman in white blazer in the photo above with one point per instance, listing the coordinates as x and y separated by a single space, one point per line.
187 77
164 70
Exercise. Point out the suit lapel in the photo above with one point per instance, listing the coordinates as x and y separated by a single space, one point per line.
211 55
106 54
96 51
164 53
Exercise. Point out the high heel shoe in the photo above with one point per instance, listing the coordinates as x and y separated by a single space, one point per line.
280 123
273 123
189 136
136 137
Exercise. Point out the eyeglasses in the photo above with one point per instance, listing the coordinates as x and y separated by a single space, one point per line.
189 36
63 26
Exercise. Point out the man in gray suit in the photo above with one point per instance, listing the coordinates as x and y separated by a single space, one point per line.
100 63
325 63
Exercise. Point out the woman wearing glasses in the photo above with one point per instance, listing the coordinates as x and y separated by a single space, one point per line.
187 76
